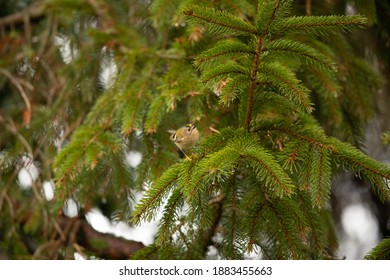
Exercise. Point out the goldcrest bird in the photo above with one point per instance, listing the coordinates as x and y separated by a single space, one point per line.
185 137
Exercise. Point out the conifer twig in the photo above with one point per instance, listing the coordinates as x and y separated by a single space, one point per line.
255 67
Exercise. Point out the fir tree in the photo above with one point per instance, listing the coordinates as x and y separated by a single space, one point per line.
279 108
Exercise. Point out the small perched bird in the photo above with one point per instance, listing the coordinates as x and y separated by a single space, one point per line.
185 137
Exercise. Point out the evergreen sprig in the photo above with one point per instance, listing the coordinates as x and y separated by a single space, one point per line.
221 52
270 11
280 77
218 22
170 217
318 25
344 154
213 75
150 203
306 54
233 243
381 251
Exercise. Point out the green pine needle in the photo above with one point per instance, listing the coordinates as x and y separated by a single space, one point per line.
154 197
318 25
170 217
222 51
381 251
284 80
307 54
218 22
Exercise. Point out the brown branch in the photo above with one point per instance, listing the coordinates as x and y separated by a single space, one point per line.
255 67
34 11
103 245
76 233
308 7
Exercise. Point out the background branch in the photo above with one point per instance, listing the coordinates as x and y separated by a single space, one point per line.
33 11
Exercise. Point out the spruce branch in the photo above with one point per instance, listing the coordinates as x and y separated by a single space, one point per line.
267 169
320 176
316 227
318 25
308 55
156 111
218 22
264 165
153 198
286 234
278 222
167 225
224 71
232 244
270 11
215 141
233 89
85 150
254 218
220 165
222 51
214 168
378 174
347 156
285 81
